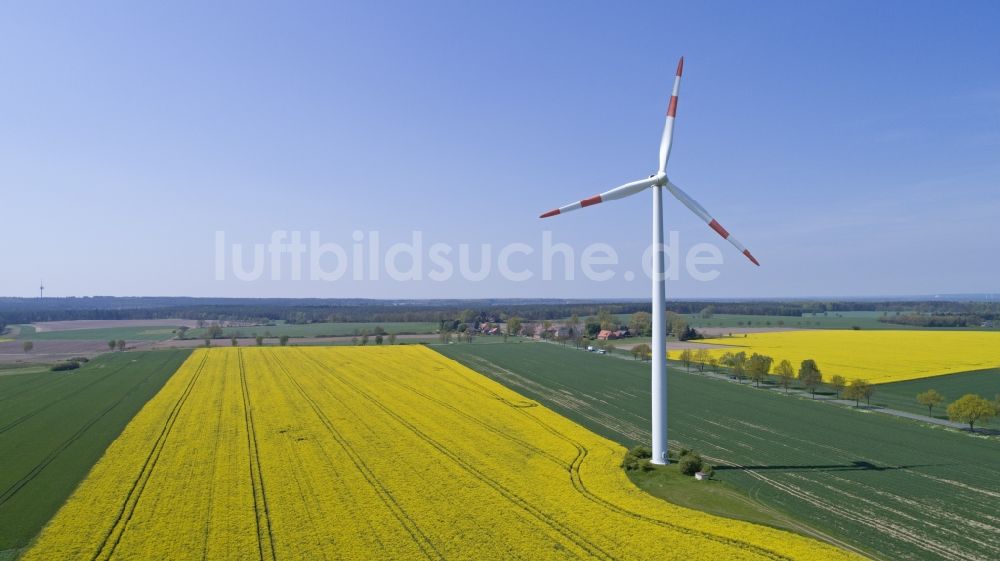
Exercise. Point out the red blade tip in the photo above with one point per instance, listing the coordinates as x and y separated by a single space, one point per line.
751 257
550 213
680 66
718 229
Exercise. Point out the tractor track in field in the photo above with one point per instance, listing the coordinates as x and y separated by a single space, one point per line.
405 520
519 441
893 530
581 541
875 507
114 534
903 533
28 385
890 529
305 492
16 486
577 479
961 485
562 397
629 431
262 514
317 511
580 486
35 387
207 531
506 493
53 381
15 422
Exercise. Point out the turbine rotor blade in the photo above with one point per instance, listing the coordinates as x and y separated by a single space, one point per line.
712 223
668 126
616 193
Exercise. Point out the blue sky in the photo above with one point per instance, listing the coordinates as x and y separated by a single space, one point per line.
854 147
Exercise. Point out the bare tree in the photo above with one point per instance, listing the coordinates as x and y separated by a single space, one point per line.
215 330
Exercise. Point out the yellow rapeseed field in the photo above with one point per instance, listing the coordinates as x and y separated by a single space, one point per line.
876 355
373 453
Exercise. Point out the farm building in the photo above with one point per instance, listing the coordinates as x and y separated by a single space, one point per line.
608 334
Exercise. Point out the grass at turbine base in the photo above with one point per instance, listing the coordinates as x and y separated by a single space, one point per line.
712 496
365 453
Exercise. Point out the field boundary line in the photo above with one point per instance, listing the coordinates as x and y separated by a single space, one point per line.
577 481
15 422
674 445
523 386
105 550
15 487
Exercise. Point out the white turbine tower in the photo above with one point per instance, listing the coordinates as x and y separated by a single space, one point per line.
658 182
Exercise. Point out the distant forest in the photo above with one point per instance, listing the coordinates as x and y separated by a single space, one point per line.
28 310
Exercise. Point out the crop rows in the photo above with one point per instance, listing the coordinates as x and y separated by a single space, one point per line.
55 425
887 486
363 453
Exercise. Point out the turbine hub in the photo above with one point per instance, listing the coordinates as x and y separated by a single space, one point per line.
661 179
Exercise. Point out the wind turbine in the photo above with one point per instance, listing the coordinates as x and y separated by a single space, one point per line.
658 182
